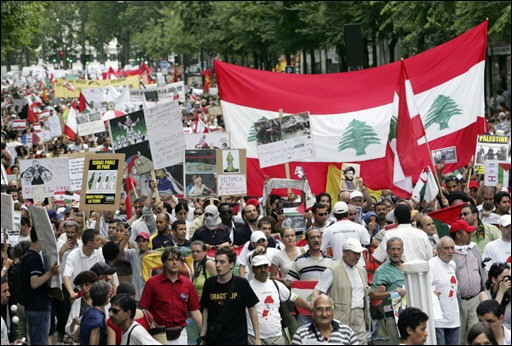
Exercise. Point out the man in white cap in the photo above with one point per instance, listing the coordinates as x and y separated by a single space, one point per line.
346 282
335 235
499 250
270 293
259 243
361 199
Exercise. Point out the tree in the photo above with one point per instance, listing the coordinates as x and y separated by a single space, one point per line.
358 136
441 111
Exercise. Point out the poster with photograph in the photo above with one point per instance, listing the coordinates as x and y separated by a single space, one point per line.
350 177
445 155
200 170
89 123
284 140
209 140
492 148
231 172
46 175
102 182
128 130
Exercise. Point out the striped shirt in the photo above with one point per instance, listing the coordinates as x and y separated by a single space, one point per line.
340 335
306 268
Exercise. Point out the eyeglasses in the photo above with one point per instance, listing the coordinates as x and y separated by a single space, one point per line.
465 214
327 310
322 214
114 310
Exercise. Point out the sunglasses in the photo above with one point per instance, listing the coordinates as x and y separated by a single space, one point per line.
114 310
226 213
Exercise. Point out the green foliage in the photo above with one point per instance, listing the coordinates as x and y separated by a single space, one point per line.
20 22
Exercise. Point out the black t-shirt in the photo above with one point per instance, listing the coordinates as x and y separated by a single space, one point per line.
233 316
162 241
218 236
37 299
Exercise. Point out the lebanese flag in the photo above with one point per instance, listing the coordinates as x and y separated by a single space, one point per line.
82 103
33 104
199 126
71 128
304 289
448 86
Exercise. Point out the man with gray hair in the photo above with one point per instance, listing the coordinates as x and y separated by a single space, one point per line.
442 270
324 329
388 279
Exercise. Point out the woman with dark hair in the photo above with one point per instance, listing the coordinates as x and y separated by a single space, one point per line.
481 334
93 327
498 288
204 266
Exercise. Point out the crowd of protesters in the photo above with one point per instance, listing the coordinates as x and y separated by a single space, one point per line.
238 286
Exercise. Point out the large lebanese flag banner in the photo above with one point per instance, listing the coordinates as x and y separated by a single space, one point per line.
350 113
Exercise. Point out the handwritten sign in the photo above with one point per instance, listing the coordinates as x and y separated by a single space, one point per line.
90 123
232 185
284 140
491 172
167 143
76 171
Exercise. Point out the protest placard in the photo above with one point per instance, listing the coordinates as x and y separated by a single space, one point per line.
102 182
231 172
167 143
7 211
284 140
49 175
200 173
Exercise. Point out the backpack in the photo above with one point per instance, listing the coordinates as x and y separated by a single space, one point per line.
18 281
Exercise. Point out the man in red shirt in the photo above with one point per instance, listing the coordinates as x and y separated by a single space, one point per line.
168 296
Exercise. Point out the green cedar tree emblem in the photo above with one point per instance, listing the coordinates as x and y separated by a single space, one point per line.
358 136
441 111
252 131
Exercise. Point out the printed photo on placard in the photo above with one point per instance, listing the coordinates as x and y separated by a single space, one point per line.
128 130
295 125
350 177
268 131
492 148
209 140
445 155
200 171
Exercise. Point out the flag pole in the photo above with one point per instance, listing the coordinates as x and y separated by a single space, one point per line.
133 188
440 193
286 165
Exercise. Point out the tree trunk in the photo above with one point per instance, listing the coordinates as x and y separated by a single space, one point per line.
313 67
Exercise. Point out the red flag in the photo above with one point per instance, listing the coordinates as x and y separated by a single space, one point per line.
444 217
33 104
71 128
346 123
130 184
82 103
199 126
128 206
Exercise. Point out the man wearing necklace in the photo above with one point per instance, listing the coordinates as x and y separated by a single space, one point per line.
323 329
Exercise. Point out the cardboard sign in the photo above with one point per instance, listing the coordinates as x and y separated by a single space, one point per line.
44 177
231 172
102 182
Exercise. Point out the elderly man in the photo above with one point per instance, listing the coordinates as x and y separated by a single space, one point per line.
389 278
442 270
470 275
323 329
427 225
346 282
499 250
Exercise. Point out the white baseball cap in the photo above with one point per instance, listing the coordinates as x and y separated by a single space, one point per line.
260 260
505 220
256 236
340 208
353 244
355 194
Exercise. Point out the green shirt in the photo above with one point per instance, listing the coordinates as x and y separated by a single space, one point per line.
390 276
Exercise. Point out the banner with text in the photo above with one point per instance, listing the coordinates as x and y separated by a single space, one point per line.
231 172
44 176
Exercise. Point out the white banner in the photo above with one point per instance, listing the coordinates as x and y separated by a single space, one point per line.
90 123
7 211
165 93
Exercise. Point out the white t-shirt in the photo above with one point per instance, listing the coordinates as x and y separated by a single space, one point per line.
5 335
416 244
498 251
444 280
248 266
267 308
335 235
139 336
77 262
284 262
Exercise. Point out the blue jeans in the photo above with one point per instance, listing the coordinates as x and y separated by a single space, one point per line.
38 326
447 336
